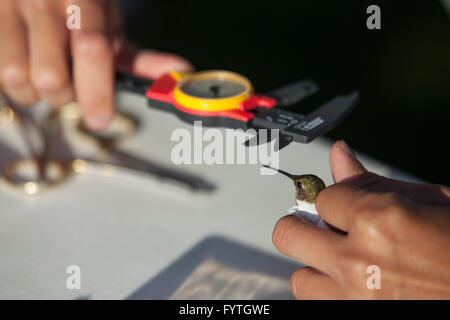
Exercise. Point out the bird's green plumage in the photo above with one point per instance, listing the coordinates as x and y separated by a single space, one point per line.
307 186
310 187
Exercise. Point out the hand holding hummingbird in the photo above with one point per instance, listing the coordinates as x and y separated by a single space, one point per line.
307 188
402 228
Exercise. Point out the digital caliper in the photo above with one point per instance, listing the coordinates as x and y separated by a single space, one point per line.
227 99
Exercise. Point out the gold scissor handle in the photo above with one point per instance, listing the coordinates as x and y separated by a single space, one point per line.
122 127
49 172
56 173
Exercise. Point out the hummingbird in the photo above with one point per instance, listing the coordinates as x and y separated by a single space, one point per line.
307 188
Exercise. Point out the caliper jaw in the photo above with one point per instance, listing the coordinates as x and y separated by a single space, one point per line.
301 128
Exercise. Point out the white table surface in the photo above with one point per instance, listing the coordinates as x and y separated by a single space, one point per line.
139 238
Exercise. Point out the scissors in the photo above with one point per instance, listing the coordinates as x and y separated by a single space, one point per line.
48 171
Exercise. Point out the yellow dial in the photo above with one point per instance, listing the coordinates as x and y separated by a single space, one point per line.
212 90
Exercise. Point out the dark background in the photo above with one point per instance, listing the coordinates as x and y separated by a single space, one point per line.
402 71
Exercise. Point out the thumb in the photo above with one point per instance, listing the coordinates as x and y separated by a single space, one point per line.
343 162
150 63
345 166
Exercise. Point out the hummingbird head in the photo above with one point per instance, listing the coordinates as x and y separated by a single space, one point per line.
307 186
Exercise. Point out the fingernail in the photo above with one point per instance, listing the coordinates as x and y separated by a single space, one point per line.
98 122
347 150
294 287
355 167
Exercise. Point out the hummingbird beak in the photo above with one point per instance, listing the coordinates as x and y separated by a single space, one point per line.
290 176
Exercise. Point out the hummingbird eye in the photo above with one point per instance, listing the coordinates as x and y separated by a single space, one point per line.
299 184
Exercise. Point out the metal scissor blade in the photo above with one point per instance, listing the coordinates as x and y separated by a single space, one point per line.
30 131
132 162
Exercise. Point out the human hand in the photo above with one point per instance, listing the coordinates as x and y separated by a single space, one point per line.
403 228
40 58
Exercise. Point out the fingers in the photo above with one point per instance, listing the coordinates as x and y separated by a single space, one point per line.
150 64
310 284
93 66
423 194
343 162
35 56
307 243
14 66
94 78
50 74
337 204
346 168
